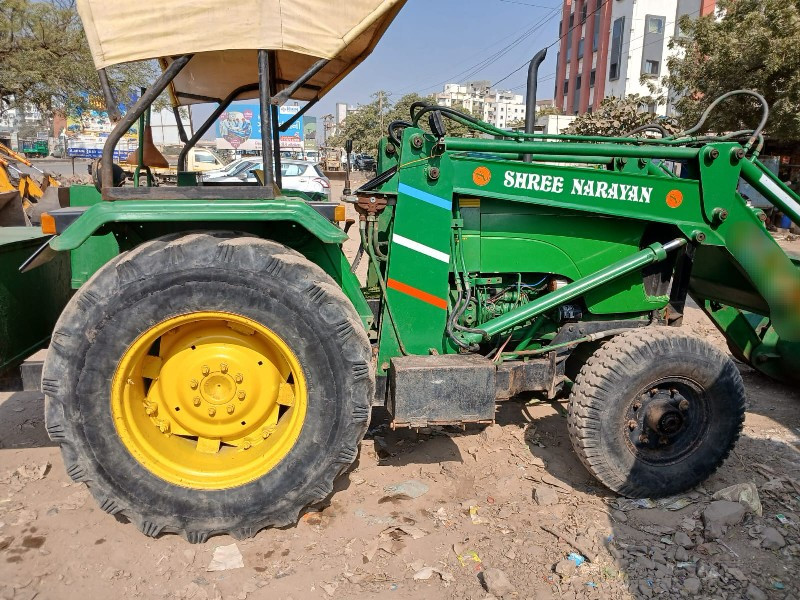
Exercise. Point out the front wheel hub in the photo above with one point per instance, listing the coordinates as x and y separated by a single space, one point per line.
664 417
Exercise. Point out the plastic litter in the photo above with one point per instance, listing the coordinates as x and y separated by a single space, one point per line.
783 519
473 515
225 558
743 493
576 558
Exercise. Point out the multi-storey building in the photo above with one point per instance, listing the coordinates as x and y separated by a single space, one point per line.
609 46
498 107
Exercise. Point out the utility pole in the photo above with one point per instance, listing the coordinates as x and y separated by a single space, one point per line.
381 95
380 108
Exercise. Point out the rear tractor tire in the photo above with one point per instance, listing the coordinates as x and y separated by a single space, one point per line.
655 411
208 383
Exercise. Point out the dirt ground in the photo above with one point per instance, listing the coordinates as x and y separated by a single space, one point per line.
466 518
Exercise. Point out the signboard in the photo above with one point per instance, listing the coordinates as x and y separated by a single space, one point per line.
239 128
88 128
310 133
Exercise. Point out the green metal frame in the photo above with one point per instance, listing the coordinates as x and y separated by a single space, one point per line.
590 212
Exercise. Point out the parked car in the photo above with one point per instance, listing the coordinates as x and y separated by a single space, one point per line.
300 175
232 168
364 162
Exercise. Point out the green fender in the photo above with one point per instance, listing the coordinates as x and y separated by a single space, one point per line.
183 211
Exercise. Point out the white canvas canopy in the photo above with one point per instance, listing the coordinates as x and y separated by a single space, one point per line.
225 38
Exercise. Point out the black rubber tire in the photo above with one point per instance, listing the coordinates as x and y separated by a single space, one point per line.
224 271
615 377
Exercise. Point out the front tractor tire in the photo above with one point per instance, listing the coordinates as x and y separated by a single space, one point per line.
208 383
655 411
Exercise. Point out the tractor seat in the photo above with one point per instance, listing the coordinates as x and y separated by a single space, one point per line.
152 156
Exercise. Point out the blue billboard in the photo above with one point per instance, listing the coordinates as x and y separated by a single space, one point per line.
239 128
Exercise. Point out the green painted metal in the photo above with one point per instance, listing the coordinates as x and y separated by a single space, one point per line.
532 238
579 223
197 211
31 302
569 149
473 232
97 250
651 254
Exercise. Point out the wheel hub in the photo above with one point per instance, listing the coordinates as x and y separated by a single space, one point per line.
664 417
664 421
209 399
218 388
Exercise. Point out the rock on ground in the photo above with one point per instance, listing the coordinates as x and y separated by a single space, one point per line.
497 583
719 515
544 495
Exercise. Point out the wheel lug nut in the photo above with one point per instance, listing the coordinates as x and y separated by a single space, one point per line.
205 370
631 424
163 426
151 410
193 384
673 391
212 411
644 439
230 409
265 433
246 445
654 391
239 378
223 367
683 405
196 401
241 395
637 405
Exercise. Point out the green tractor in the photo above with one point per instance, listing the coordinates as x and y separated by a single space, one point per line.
218 373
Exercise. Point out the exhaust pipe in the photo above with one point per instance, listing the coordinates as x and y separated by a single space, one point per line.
530 102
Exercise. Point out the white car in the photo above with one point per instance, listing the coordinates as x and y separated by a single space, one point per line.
300 175
231 168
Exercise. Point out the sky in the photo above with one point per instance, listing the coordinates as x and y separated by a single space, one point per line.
433 42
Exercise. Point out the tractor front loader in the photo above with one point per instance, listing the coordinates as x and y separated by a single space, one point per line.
217 374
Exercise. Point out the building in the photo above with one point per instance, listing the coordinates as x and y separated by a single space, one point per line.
498 107
19 122
608 46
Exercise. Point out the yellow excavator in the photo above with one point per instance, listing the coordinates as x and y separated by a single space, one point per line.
26 185
19 191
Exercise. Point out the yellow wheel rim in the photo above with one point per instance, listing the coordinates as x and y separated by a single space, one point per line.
209 400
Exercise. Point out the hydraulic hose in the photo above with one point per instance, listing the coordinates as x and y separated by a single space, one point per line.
382 284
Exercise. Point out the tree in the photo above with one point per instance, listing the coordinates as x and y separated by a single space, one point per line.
618 116
363 126
753 46
46 61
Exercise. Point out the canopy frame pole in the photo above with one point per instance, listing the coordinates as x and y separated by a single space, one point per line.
286 93
274 112
179 122
111 103
299 114
137 110
265 100
212 118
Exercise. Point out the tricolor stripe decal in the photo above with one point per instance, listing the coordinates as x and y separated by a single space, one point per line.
415 293
421 248
424 196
